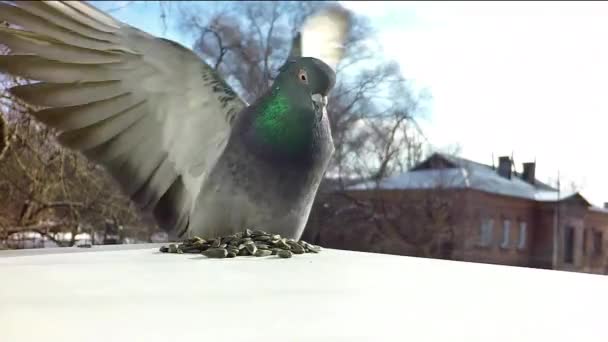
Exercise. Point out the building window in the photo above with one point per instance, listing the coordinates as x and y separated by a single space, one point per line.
486 235
569 245
597 243
523 232
506 231
585 238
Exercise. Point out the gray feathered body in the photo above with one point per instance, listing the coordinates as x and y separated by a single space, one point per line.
250 189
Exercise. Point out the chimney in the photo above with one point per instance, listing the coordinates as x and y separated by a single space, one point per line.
504 167
529 173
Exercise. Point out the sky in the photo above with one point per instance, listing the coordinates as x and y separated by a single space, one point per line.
506 78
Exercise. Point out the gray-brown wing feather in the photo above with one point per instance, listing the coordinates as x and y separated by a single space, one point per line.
148 109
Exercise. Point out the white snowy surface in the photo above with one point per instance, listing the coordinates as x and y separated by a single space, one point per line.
133 293
461 178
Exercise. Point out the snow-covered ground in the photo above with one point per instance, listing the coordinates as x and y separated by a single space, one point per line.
33 239
133 293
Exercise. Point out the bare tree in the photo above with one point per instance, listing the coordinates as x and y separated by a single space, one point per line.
49 189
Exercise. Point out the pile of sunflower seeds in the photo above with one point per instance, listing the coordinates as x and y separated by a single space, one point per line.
248 243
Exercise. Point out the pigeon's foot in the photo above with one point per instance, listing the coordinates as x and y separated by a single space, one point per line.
247 243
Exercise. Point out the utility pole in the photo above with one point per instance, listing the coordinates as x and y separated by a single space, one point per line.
556 224
513 164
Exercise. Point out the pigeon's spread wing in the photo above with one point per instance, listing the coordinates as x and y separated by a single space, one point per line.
323 36
149 110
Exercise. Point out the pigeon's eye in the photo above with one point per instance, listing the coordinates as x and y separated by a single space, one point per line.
303 76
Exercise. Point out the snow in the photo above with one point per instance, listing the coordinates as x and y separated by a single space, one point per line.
599 210
133 293
455 178
25 235
553 196
470 175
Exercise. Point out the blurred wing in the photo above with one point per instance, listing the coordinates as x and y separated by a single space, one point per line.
149 110
323 36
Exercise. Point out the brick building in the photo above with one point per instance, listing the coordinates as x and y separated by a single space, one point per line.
459 209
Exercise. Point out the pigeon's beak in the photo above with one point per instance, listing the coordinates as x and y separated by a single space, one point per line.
320 100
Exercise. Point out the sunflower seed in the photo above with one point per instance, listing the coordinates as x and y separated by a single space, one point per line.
227 239
216 253
195 241
261 245
284 254
200 244
251 248
314 248
258 233
191 249
246 243
297 249
281 244
262 253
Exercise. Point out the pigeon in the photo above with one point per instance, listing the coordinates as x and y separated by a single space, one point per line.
174 135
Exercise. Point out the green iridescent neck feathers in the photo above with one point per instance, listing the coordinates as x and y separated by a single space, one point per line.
284 124
285 118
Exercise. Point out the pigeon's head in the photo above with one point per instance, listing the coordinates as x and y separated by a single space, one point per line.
310 74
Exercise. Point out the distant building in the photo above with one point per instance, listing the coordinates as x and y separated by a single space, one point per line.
458 209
